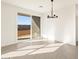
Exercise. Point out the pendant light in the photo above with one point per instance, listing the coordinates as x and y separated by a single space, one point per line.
52 15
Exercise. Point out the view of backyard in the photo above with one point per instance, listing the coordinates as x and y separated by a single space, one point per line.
24 23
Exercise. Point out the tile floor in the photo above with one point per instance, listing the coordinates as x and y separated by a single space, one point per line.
39 49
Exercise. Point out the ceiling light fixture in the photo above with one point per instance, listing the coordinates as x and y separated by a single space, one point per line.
52 15
40 6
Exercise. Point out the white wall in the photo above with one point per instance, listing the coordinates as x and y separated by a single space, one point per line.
67 25
47 28
9 23
62 28
8 26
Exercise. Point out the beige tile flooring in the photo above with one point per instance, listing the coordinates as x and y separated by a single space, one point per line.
39 49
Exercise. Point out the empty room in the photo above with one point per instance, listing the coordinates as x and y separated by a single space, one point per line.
39 29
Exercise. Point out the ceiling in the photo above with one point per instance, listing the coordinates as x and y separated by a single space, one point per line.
35 4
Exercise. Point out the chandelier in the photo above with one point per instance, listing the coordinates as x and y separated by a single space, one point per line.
52 15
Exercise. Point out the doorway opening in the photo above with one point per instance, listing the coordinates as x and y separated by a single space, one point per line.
36 28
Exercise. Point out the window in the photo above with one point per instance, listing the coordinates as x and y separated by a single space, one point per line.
24 20
24 26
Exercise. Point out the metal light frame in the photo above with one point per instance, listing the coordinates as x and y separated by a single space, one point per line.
52 15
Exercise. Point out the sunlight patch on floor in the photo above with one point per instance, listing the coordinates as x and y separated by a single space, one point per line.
16 53
33 49
44 50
